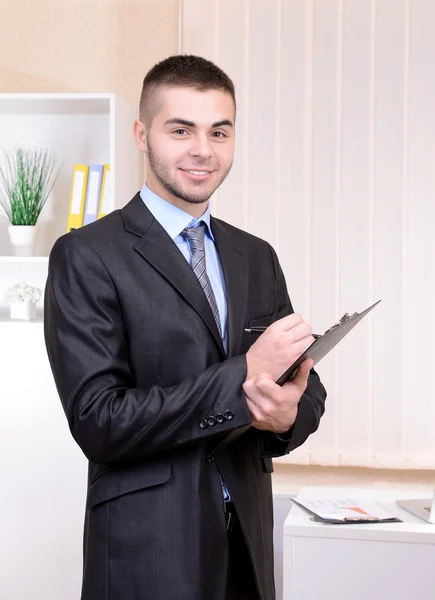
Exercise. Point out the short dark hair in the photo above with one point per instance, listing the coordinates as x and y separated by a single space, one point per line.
183 70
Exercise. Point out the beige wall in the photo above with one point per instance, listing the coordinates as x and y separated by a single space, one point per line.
84 45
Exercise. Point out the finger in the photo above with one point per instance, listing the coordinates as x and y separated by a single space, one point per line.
287 323
268 391
261 406
301 377
254 410
298 332
265 385
251 384
262 392
253 392
295 348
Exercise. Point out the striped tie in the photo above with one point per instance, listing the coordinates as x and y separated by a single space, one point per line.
195 236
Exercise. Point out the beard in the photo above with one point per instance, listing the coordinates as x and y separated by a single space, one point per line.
161 171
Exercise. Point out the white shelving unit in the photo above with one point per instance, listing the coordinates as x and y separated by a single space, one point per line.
45 470
78 128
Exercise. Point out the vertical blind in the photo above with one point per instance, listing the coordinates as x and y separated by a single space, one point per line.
335 167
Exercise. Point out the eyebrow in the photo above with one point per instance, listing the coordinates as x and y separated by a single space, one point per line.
178 121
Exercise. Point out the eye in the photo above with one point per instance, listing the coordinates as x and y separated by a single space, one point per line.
220 135
180 132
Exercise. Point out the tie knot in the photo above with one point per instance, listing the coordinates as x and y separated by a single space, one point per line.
195 235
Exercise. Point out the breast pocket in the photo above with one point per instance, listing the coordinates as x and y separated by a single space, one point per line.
250 338
263 321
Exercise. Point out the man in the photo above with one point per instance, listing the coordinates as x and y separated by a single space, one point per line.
174 404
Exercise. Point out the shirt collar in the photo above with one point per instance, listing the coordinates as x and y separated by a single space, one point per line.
170 217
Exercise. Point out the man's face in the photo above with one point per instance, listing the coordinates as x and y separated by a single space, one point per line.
189 143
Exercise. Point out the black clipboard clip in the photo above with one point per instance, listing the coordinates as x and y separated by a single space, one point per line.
326 342
343 319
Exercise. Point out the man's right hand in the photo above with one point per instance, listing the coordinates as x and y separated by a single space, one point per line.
279 346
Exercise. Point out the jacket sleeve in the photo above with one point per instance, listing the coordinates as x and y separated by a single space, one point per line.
312 402
86 342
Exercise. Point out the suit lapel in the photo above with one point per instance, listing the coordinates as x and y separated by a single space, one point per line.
160 251
234 266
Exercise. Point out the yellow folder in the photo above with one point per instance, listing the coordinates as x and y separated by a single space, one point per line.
78 196
106 195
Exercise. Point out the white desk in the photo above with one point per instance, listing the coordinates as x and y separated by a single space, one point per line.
359 562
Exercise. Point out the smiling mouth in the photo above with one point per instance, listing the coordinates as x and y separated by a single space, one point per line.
197 173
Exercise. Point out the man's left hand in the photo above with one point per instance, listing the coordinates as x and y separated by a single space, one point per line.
273 407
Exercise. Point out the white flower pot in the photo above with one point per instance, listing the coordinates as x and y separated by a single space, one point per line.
25 310
23 238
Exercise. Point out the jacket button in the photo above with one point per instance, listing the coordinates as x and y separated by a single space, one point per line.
203 424
220 418
229 415
211 421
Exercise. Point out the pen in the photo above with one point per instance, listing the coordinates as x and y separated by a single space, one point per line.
316 336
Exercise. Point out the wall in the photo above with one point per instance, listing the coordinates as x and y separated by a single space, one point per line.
84 45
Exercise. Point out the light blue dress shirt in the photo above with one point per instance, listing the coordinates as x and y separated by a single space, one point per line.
174 220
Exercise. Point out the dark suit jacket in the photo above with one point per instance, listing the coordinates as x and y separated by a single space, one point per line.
141 370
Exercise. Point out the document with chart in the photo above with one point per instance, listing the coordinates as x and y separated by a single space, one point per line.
346 510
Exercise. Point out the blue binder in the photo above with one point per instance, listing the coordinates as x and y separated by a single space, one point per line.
93 192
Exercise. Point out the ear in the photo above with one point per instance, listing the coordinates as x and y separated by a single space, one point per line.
140 136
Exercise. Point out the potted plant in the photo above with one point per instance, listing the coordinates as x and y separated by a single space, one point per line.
23 299
26 180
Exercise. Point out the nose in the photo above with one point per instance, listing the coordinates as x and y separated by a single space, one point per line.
201 147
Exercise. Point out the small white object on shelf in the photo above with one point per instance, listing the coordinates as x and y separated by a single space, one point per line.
23 298
24 310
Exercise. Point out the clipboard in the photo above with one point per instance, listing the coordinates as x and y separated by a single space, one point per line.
316 351
326 342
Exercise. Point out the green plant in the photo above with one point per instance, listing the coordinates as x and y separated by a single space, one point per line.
26 180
